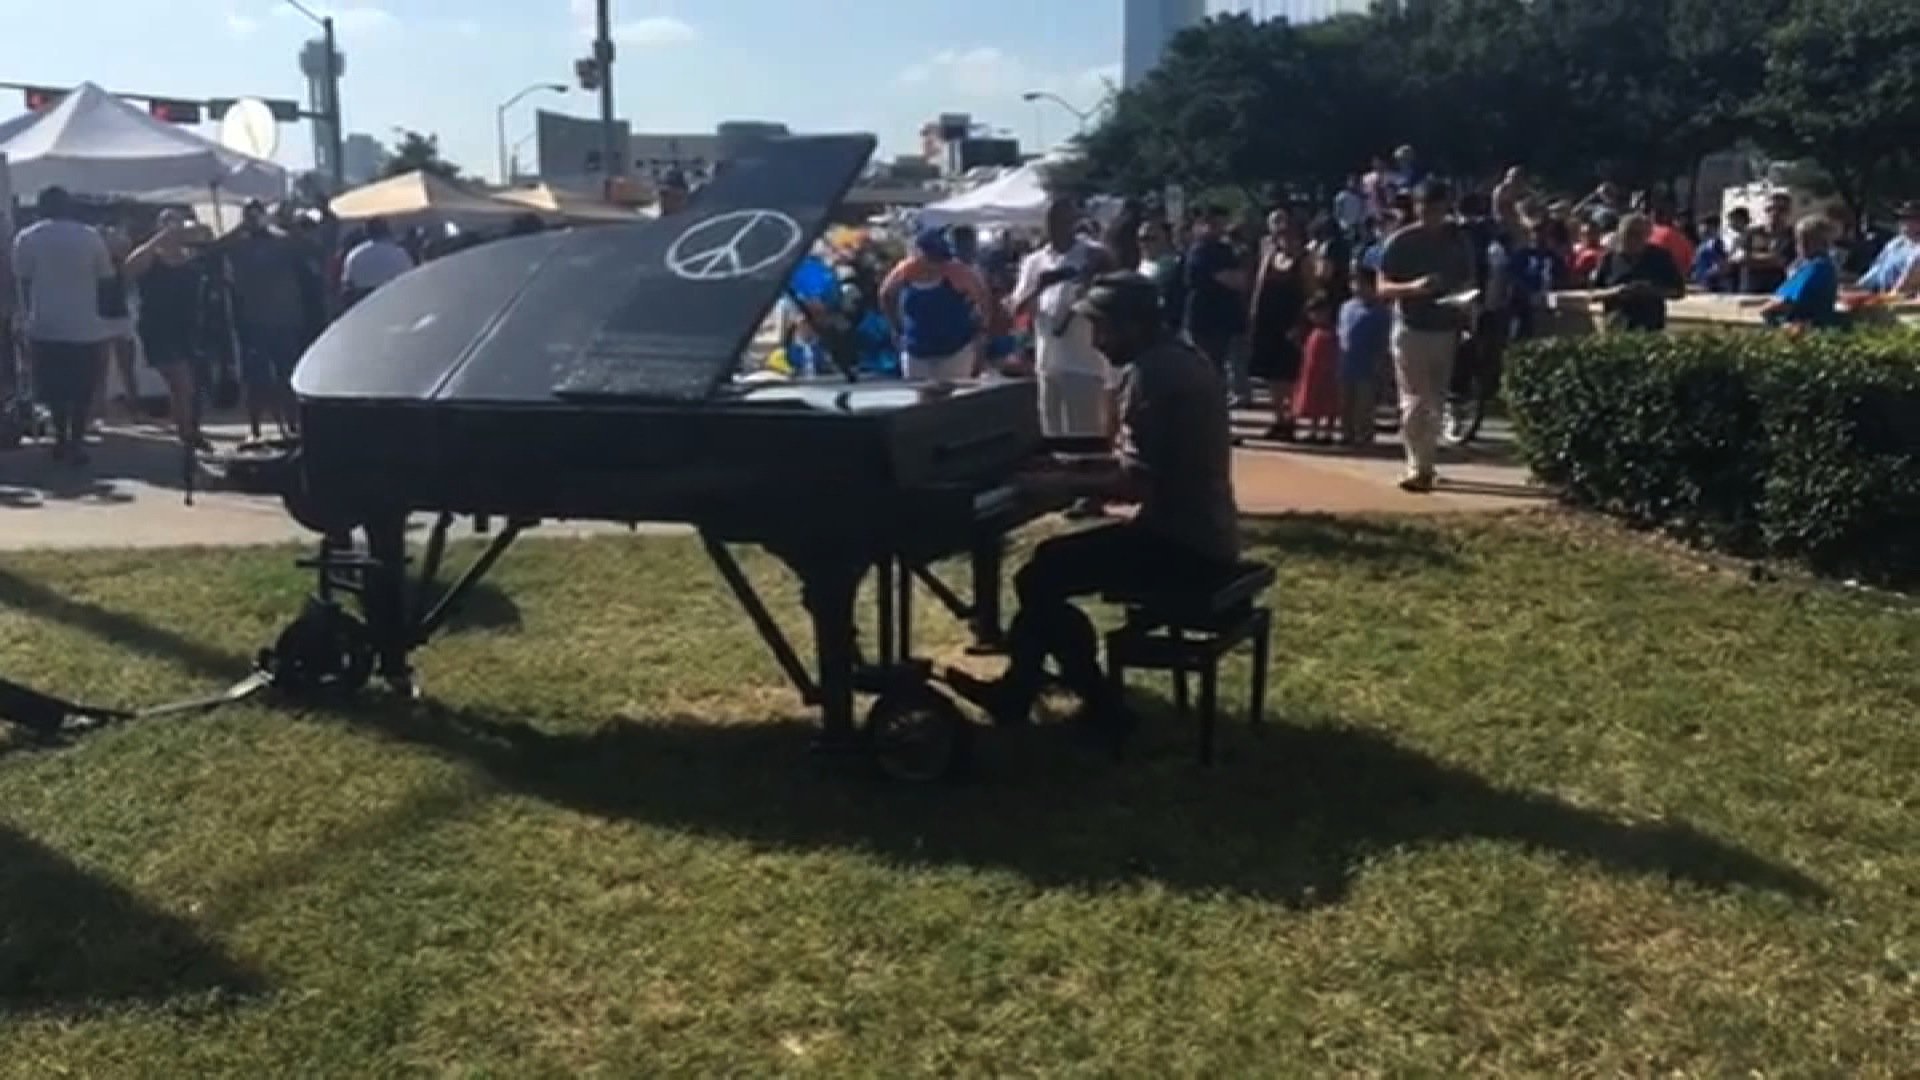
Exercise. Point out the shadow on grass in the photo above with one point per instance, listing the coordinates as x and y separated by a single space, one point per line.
118 628
1335 537
71 943
486 606
1291 821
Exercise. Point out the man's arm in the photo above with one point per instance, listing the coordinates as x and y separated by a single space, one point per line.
1397 281
103 268
1908 282
22 262
1026 288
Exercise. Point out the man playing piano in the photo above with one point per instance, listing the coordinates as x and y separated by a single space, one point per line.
1174 460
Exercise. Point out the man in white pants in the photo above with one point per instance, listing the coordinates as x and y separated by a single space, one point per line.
1421 267
1074 378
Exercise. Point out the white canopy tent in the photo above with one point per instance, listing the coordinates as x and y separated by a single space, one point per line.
95 144
1017 199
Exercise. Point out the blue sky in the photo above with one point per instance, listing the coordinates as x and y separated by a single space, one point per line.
443 65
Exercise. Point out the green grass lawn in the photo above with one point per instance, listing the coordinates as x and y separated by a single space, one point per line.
1535 798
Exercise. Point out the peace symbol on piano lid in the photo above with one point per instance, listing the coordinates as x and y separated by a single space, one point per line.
734 245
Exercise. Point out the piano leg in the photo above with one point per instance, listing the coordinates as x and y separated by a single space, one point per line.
829 587
385 599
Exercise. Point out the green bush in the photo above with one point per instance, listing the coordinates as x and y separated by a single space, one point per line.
1807 447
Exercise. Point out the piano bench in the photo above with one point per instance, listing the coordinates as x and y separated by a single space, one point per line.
1189 632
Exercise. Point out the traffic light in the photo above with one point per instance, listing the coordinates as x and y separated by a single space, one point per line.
40 98
587 70
174 112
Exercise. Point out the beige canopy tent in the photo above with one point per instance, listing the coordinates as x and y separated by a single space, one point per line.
421 198
558 205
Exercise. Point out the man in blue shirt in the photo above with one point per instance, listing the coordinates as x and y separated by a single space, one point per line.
1809 296
1890 268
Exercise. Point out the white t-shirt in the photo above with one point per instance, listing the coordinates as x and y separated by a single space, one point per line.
374 263
63 263
1071 351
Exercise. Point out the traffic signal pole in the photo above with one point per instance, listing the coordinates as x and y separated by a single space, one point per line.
612 160
336 141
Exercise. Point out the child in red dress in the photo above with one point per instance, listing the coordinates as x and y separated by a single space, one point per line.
1316 397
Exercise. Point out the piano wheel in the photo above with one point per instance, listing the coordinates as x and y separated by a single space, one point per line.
324 651
917 735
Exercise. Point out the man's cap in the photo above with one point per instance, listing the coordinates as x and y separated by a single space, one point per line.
933 244
1120 296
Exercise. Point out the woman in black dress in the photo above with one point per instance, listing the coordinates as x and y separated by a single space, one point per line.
1281 285
168 272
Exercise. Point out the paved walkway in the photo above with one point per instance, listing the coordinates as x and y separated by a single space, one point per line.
132 493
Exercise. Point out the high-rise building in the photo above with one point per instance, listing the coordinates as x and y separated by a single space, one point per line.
1149 25
313 64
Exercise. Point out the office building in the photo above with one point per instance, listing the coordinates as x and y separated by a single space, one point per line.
1148 26
1294 11
570 147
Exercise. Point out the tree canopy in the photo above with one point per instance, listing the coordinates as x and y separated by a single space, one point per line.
1636 91
420 151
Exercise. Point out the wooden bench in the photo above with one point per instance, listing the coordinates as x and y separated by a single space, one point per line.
1188 631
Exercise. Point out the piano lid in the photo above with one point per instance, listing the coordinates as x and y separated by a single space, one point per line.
657 311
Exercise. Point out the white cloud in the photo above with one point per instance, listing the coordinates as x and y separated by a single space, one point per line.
240 25
646 32
654 31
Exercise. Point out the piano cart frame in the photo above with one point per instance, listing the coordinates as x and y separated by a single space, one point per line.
912 732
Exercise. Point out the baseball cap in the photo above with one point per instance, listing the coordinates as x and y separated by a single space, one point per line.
933 244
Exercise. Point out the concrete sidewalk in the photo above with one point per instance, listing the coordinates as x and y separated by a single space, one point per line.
132 494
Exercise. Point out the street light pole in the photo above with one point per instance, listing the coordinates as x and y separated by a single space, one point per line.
1079 114
612 160
500 124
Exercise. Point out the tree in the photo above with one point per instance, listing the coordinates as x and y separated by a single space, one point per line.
1842 86
1637 91
418 151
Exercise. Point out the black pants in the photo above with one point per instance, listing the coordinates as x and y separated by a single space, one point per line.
64 375
1120 557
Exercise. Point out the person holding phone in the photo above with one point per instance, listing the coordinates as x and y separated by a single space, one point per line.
1073 375
170 277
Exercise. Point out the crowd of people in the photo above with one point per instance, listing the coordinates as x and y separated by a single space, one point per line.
1391 289
98 290
1398 288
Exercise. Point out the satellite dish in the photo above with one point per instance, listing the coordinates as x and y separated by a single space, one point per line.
250 128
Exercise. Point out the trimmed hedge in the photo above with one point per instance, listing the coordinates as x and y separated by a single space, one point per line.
1763 444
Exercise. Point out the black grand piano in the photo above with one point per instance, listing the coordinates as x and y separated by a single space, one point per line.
591 374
